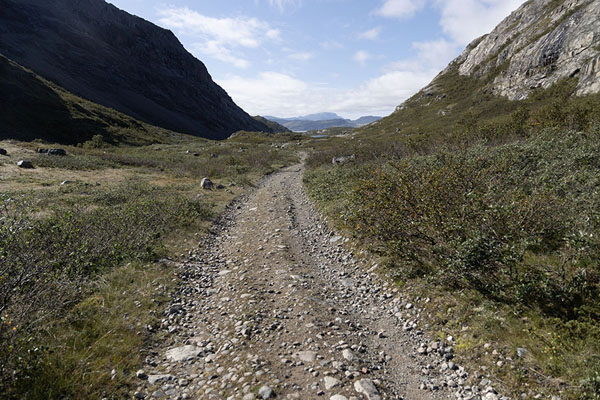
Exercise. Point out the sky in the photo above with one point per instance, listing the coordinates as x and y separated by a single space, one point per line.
289 58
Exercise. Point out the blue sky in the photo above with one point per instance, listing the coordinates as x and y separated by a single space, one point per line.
294 57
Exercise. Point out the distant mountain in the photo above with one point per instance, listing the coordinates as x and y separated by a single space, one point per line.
115 59
321 121
34 108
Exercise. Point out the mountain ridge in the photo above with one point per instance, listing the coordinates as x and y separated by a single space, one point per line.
119 61
321 121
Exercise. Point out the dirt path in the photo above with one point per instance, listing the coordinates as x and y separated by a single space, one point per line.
274 306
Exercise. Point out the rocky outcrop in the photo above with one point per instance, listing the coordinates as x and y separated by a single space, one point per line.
110 57
542 42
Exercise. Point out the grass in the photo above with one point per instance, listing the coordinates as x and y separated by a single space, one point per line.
80 236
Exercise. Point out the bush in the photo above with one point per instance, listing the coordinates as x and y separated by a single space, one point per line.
478 218
47 264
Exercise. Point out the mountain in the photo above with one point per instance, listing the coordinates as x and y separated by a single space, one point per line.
34 108
273 126
546 51
115 59
321 121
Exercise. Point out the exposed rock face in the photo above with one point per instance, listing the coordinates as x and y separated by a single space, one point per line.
541 43
106 55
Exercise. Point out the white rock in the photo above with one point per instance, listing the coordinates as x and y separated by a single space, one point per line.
266 392
152 379
307 356
331 382
183 353
348 355
367 387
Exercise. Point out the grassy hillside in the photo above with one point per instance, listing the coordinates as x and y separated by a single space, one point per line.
34 108
489 208
453 103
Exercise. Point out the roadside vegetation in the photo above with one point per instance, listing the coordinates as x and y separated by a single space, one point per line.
81 239
493 217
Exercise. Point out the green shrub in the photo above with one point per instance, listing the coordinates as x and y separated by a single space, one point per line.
47 264
473 218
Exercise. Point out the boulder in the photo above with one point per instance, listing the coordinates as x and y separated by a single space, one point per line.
3 152
52 152
25 164
342 160
206 183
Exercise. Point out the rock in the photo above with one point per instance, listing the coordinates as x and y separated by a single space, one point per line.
338 397
307 356
568 48
521 352
367 387
331 382
348 355
141 374
265 392
206 183
25 164
152 379
52 152
183 353
139 395
3 152
342 160
249 396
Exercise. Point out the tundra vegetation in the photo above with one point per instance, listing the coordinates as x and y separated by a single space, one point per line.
81 239
490 210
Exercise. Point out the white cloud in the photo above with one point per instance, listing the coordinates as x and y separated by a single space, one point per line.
361 57
285 95
465 20
371 34
301 56
218 37
400 8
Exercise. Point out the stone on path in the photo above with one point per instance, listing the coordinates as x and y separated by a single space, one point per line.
330 382
348 355
266 392
307 356
367 387
152 379
338 397
183 353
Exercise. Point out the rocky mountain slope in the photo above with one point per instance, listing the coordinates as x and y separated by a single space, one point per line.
520 64
541 43
34 108
110 57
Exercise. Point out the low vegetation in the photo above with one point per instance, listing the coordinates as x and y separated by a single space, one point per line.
80 240
494 219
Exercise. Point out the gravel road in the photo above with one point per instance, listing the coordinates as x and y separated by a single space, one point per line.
272 305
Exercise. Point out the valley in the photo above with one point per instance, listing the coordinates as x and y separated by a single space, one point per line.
159 242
